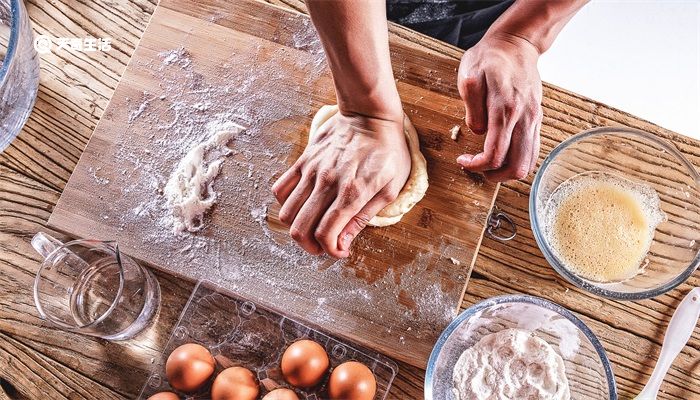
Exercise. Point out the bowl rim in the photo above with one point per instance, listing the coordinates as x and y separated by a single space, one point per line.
549 255
15 15
518 298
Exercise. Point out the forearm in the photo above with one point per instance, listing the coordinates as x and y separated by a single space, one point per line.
355 37
536 21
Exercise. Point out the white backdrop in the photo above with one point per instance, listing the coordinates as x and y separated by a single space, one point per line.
642 57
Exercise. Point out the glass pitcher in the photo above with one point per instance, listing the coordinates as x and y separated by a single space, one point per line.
89 287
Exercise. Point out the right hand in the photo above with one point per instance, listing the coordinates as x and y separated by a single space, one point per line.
501 87
351 169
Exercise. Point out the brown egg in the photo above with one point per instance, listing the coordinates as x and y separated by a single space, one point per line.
189 367
164 396
235 383
352 381
304 363
281 394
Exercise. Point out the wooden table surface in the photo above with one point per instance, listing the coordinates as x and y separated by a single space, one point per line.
38 361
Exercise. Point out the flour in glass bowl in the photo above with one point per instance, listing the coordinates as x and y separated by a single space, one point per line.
510 364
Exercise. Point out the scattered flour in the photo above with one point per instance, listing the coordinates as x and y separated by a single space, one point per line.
178 56
189 191
99 179
510 364
454 132
142 107
166 124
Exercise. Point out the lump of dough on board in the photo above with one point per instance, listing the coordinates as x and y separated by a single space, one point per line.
417 183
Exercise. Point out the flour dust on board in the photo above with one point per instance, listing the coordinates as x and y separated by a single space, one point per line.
168 205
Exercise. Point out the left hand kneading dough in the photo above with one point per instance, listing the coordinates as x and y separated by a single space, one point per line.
416 184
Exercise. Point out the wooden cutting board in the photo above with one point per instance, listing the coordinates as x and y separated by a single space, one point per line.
202 64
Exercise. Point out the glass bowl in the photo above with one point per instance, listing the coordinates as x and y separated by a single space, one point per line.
587 367
640 157
19 70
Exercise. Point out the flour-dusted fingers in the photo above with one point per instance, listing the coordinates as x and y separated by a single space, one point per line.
296 200
350 201
304 226
519 159
359 221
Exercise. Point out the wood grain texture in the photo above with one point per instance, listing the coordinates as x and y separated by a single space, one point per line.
35 168
402 284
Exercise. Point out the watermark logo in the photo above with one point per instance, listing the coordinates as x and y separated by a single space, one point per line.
45 44
42 44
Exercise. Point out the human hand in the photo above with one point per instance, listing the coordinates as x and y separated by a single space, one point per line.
351 169
501 87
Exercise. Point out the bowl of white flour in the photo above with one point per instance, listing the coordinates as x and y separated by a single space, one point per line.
518 347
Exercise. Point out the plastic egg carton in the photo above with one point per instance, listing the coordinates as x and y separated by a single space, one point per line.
239 332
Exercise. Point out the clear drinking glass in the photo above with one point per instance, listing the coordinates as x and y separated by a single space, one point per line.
89 287
639 157
19 73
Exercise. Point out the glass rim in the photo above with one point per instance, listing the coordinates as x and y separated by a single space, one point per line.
549 254
16 17
518 299
103 245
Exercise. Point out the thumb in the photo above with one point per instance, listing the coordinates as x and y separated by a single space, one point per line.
361 219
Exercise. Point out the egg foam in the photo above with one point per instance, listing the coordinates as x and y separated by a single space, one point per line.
601 225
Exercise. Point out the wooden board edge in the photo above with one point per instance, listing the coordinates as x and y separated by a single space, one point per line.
51 221
61 216
478 246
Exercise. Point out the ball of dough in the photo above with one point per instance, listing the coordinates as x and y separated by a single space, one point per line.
415 187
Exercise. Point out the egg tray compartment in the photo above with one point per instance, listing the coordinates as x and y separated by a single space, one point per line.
239 332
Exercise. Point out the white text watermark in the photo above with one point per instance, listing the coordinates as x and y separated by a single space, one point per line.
45 44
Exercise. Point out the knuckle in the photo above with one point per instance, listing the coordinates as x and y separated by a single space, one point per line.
326 177
349 191
297 234
360 221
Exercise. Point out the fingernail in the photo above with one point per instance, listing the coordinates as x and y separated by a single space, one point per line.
345 242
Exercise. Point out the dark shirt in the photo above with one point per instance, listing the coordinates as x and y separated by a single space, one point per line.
459 22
